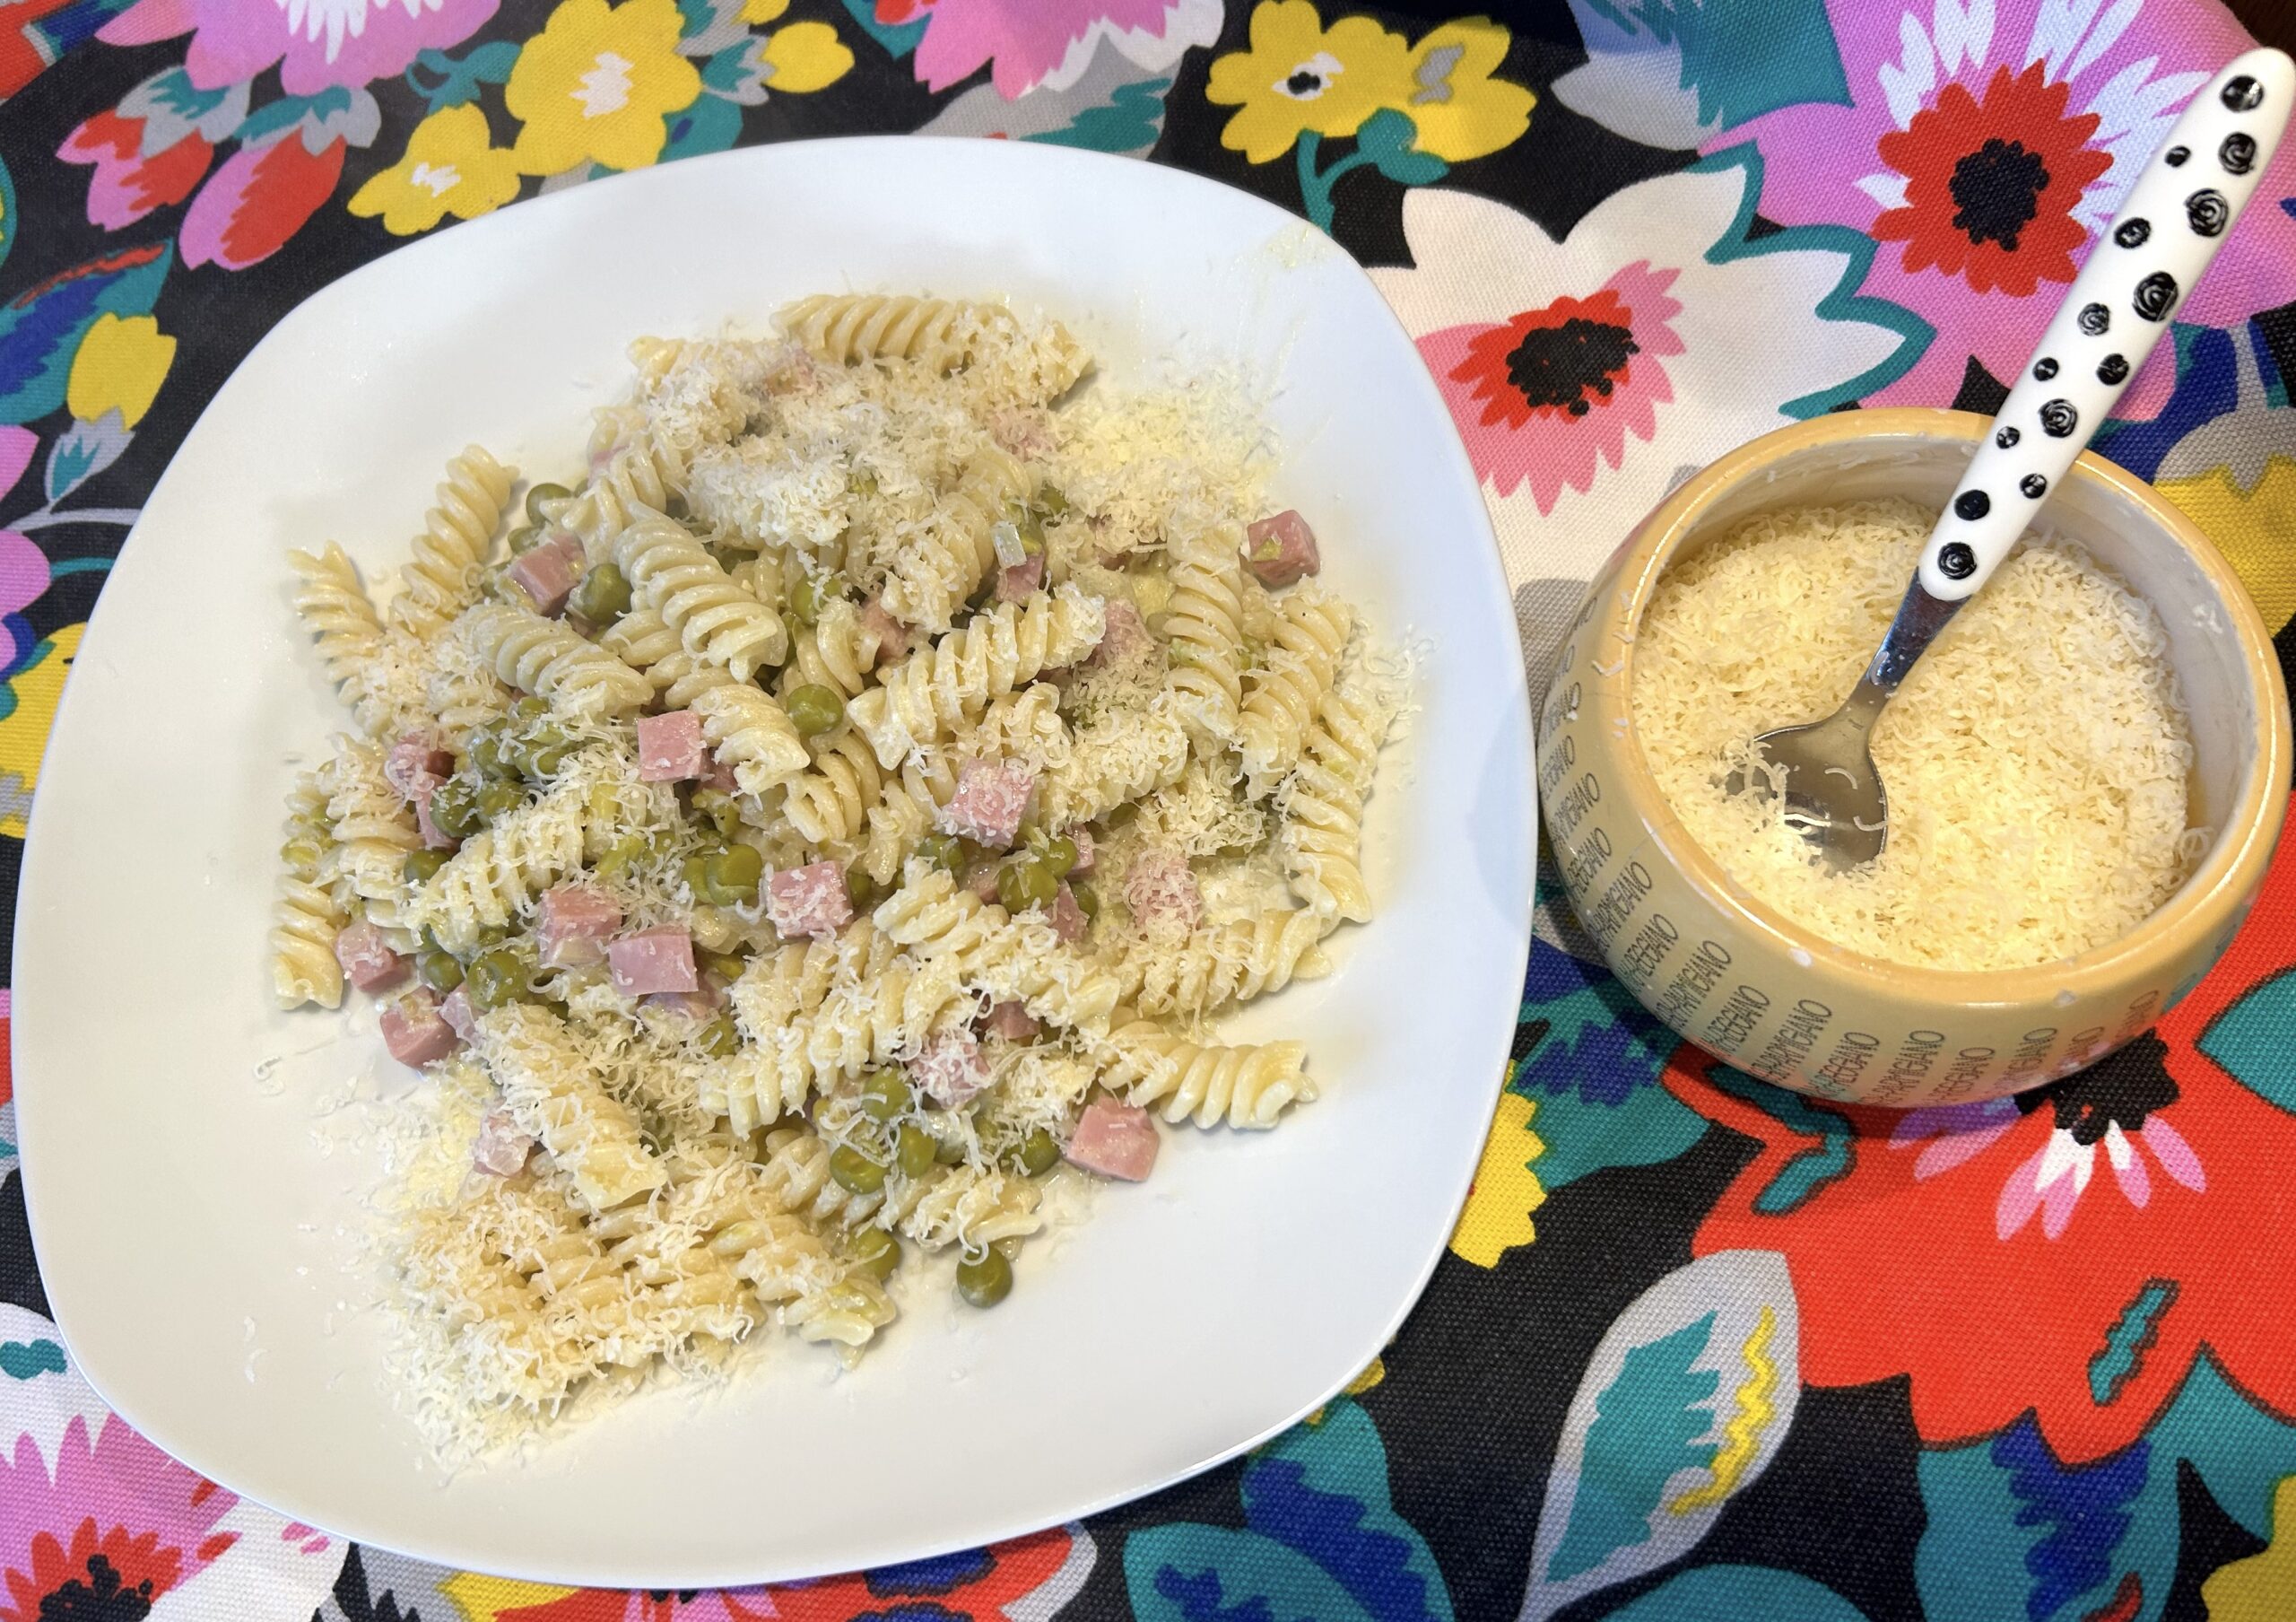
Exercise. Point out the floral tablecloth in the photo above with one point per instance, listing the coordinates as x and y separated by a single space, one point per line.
1700 1349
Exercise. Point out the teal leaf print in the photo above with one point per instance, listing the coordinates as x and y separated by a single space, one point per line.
708 124
1591 1057
2130 1339
1388 138
897 39
1322 1541
1130 122
1676 73
2240 1452
1739 1594
40 329
1646 1428
1684 1406
82 451
7 212
1808 1169
443 81
2252 1039
29 1359
739 73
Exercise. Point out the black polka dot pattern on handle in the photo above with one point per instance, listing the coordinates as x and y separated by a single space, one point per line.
1956 561
2044 369
2132 233
2155 296
2113 368
2238 153
2058 419
2176 155
2241 93
2008 436
1973 505
2207 213
2034 486
2094 319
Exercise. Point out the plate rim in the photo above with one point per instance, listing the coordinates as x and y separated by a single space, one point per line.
37 881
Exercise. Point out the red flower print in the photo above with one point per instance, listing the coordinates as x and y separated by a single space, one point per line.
892 13
1990 184
259 199
128 184
24 48
2068 1254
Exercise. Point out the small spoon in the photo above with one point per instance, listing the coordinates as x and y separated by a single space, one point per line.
2166 233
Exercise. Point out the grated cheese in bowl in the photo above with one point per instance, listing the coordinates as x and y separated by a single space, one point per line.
2036 760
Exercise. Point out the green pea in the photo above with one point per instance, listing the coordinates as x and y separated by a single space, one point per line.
524 539
943 850
497 800
495 978
877 1252
602 596
538 495
914 1150
543 758
863 891
986 1282
1039 1152
730 877
421 866
697 877
727 966
623 855
720 1038
814 708
1088 898
854 1171
438 971
719 810
1032 530
1123 814
453 808
884 1095
1050 500
1026 883
1059 854
526 711
492 752
812 595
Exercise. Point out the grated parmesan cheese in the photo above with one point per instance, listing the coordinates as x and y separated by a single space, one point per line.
2036 760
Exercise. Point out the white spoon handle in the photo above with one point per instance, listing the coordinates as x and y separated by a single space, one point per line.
2176 218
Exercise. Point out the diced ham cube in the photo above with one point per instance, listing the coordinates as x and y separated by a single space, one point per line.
1067 919
670 747
1125 637
577 920
1024 433
1282 549
981 880
1081 839
1114 1139
810 900
502 1148
893 636
433 837
951 1069
417 760
416 1032
1012 1022
660 959
1162 891
368 961
1018 583
459 1016
549 573
700 1003
716 774
991 801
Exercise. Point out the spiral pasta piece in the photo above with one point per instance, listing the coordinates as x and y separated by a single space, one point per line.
845 329
934 691
1244 1087
1230 962
642 640
1202 631
716 618
1114 759
1310 634
305 922
443 579
937 570
1012 960
499 871
831 804
545 656
1322 838
373 831
973 1208
751 734
632 472
334 608
549 1089
837 652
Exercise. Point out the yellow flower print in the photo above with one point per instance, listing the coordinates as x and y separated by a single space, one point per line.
483 1599
1504 1190
32 692
596 84
2262 1587
1463 112
122 361
450 167
2256 529
754 11
806 57
1298 77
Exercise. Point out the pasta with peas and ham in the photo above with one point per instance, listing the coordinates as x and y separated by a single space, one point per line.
820 820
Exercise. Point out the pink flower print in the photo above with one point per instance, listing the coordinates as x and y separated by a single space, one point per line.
1047 42
317 43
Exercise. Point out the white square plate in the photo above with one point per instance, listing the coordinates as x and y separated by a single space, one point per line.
191 1195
